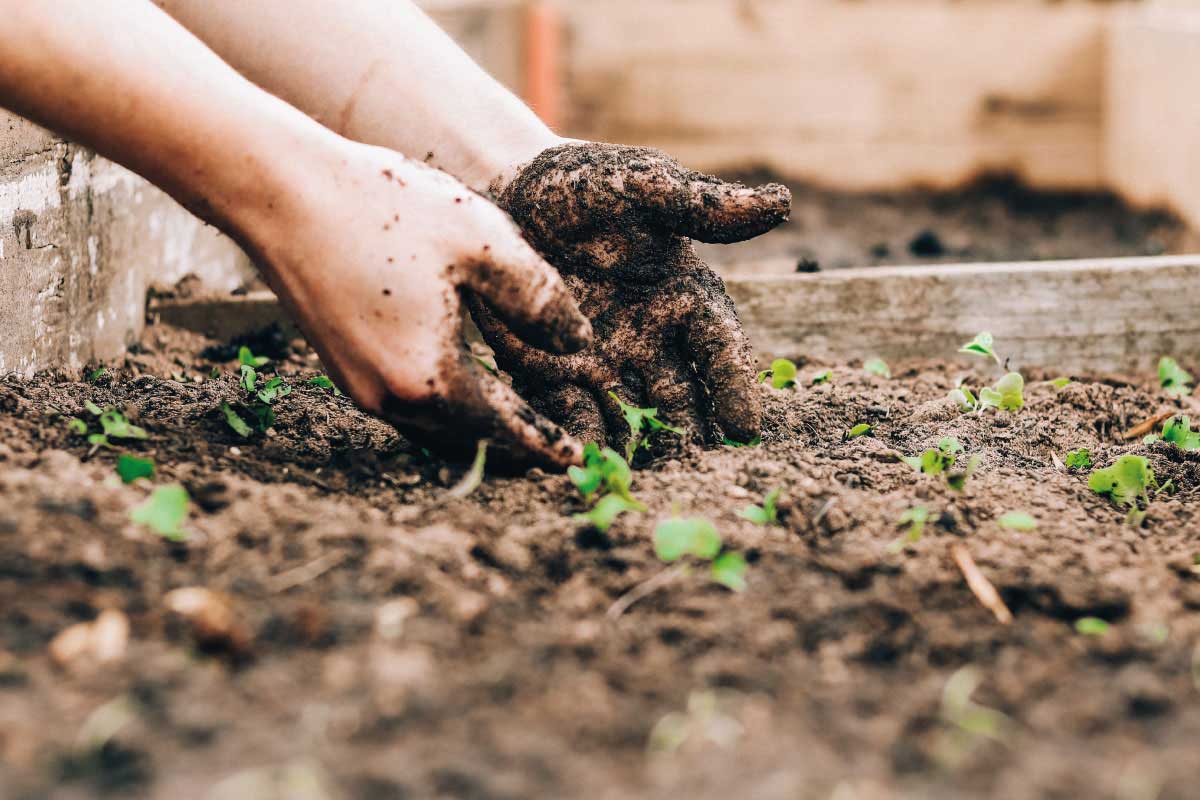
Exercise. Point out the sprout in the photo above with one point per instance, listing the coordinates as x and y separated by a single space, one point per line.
877 366
1174 378
1006 395
981 345
1017 521
642 422
766 514
1079 459
782 374
164 512
858 430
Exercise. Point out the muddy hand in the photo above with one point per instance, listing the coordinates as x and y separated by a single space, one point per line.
374 262
616 221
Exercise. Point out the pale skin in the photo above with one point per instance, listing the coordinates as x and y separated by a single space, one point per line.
320 174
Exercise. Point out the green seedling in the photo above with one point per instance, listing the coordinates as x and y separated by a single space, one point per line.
273 390
968 722
324 382
755 442
1091 626
1177 431
696 537
76 425
915 518
1017 521
96 375
1127 483
858 430
247 359
130 468
782 374
603 472
473 476
766 514
964 399
164 512
1079 459
607 509
642 422
981 345
822 377
214 373
113 425
877 366
1006 395
957 479
1174 378
249 379
233 420
936 461
1059 383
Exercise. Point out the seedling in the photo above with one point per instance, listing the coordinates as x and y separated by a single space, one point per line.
968 721
1177 431
233 420
964 399
755 442
324 382
1059 383
96 375
474 476
936 461
981 345
696 537
164 512
1127 483
822 377
1017 521
260 400
113 425
858 430
1006 395
604 475
1079 459
915 518
607 509
248 359
877 366
1174 378
782 374
130 468
957 479
1091 626
642 422
766 514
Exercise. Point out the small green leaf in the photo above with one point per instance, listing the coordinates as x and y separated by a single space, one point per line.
92 408
1079 459
957 480
1059 383
783 373
325 383
1174 378
76 425
755 442
130 468
96 375
877 366
729 570
249 379
606 511
915 518
273 390
641 421
1091 626
1127 481
248 359
964 399
822 377
1178 431
860 429
164 512
603 471
950 446
97 440
1017 521
117 427
766 514
235 421
1006 395
695 536
981 345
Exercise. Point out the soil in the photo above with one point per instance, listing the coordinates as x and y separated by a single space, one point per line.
995 218
388 640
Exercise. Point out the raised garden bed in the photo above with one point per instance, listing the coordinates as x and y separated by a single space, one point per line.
392 641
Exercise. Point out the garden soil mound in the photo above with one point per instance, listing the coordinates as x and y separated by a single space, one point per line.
377 638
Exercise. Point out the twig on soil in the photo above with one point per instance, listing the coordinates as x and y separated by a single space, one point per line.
1143 428
979 585
306 572
645 589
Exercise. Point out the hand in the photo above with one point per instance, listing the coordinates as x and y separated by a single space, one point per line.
613 219
371 255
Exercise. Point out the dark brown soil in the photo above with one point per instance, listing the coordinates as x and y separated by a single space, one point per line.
506 680
991 219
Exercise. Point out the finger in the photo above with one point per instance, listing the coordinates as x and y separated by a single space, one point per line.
528 293
672 390
512 355
724 361
529 436
575 408
720 212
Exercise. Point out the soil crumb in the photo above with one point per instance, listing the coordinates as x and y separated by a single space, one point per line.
398 642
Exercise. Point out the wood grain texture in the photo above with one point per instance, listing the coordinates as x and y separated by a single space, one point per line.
1105 315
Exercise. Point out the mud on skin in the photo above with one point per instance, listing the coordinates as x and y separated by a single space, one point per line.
615 221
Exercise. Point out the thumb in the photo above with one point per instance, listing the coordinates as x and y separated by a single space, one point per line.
528 293
721 213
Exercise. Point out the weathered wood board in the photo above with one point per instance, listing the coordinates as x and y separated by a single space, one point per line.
1071 316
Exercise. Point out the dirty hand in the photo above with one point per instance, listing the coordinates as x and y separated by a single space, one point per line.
615 221
371 255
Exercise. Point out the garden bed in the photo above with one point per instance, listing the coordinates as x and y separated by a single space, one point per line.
391 641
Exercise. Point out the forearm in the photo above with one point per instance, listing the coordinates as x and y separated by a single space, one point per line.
376 71
128 81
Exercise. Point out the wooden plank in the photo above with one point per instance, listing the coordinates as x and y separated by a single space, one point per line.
1071 316
1088 315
